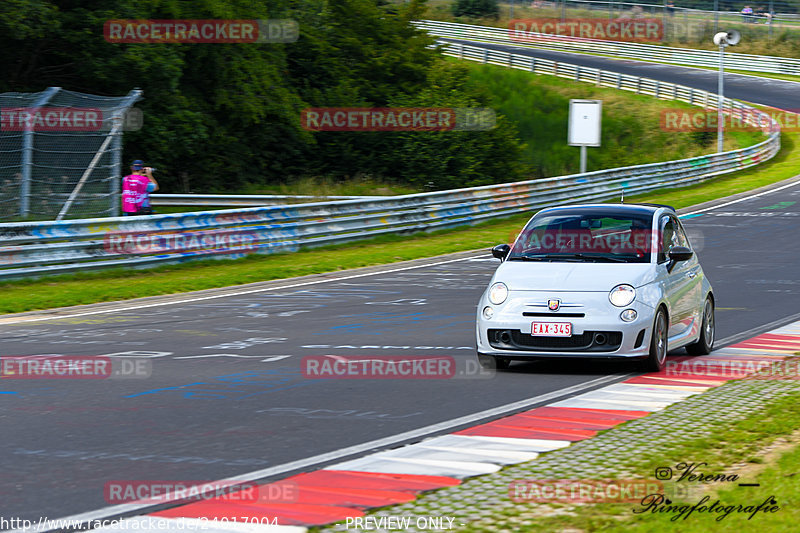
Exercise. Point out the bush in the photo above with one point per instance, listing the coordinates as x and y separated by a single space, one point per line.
476 8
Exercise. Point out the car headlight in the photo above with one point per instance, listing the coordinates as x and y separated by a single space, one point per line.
622 295
498 293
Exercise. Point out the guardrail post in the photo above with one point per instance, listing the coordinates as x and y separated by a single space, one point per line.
555 68
656 95
485 55
533 65
674 92
510 60
691 96
599 77
638 84
578 73
461 51
619 81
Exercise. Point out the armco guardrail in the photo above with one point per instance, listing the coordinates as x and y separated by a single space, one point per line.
39 248
241 199
622 50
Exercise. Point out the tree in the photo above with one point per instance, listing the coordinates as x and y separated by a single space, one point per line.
476 8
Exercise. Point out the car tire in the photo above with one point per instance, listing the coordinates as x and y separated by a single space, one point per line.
657 357
491 362
705 342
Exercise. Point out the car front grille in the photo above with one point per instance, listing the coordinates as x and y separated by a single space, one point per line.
588 341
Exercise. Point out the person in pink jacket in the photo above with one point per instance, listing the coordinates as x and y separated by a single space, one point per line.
136 189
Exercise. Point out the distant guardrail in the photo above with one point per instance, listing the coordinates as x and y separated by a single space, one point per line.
241 199
623 50
41 248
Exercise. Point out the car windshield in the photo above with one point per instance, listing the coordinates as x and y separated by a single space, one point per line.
586 237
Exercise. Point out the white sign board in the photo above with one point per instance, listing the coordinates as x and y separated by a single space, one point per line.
584 122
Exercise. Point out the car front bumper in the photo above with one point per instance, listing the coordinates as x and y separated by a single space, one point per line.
599 333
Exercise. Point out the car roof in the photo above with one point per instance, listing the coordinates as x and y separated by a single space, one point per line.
608 209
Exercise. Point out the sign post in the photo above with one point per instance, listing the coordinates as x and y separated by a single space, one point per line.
585 118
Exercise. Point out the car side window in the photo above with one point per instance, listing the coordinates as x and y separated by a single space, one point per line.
666 239
680 233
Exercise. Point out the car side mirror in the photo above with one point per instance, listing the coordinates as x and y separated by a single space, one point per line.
501 251
677 254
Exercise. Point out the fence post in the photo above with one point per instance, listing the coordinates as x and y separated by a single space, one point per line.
116 174
27 154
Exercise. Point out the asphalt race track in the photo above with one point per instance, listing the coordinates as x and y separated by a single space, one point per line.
226 394
765 91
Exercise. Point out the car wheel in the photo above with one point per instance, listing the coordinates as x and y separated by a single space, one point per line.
658 343
491 362
705 343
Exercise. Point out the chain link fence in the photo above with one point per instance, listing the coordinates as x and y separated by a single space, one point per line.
60 153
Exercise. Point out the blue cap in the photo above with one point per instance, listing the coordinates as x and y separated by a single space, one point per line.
138 164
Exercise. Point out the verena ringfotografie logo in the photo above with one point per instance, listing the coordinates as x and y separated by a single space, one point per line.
160 491
628 30
207 242
398 119
201 31
392 367
737 120
53 119
73 367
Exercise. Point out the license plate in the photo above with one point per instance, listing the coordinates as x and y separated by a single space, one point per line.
551 329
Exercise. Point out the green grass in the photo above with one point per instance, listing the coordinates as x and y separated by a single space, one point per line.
631 127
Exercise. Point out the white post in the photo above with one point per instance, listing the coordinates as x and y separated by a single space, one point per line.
583 159
720 99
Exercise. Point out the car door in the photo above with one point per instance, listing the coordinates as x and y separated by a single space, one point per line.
694 273
677 283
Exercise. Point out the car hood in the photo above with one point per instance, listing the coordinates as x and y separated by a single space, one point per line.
567 276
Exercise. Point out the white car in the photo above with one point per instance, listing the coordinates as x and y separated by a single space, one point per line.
596 281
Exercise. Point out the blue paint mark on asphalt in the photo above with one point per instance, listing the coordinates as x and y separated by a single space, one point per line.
235 386
691 216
